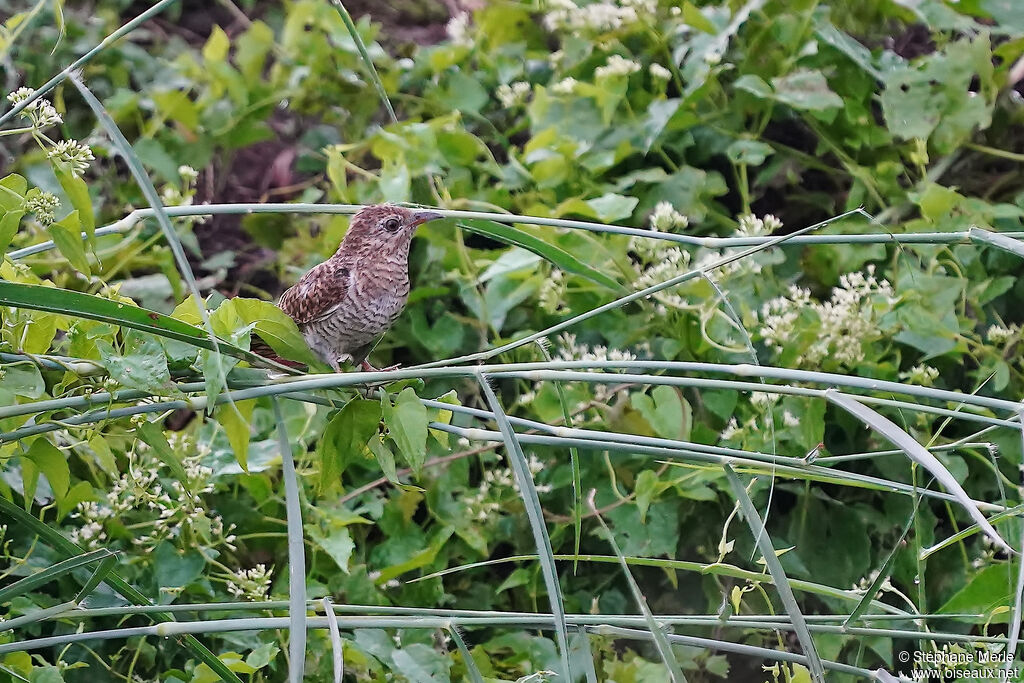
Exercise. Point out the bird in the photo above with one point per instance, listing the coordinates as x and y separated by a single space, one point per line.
343 304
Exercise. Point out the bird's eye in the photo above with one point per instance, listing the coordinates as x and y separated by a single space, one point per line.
392 224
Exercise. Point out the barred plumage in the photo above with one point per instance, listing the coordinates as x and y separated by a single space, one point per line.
344 303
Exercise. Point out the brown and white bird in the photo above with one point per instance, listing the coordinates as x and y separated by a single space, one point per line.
344 303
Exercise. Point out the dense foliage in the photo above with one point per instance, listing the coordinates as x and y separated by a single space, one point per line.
124 432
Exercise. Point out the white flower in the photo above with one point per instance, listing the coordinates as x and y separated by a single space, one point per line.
188 174
789 420
597 17
250 583
617 65
40 113
458 30
565 86
73 153
845 324
43 205
659 72
925 375
752 226
665 218
552 292
512 95
570 350
20 95
997 334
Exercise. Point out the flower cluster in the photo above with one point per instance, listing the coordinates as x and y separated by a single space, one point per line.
172 195
659 72
570 350
752 226
665 218
489 497
864 584
670 263
617 65
513 95
997 334
73 154
458 30
141 501
40 113
566 86
846 323
552 293
44 205
251 584
597 17
925 375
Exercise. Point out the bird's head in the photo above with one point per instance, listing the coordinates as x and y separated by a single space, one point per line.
384 228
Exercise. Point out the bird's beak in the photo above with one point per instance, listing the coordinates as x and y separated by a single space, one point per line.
421 217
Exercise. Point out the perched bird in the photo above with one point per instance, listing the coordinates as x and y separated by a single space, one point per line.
344 303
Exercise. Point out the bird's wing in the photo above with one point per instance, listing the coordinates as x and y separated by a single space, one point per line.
319 293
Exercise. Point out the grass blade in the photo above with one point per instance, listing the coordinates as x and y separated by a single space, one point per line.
365 56
43 577
767 548
510 235
62 545
1013 630
528 492
36 616
660 641
81 305
337 645
995 239
472 672
919 454
296 554
574 461
104 568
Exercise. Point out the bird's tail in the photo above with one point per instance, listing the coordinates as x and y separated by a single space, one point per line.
261 348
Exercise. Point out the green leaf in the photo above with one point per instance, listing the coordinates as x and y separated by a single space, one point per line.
44 457
150 433
665 411
338 544
806 89
385 458
235 418
407 426
78 193
21 379
693 17
275 327
549 252
12 207
611 207
987 589
750 152
345 439
141 363
217 46
648 488
176 568
67 235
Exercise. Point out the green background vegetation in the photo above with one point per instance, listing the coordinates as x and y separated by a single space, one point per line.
131 446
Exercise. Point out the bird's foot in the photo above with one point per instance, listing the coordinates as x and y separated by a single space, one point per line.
369 368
